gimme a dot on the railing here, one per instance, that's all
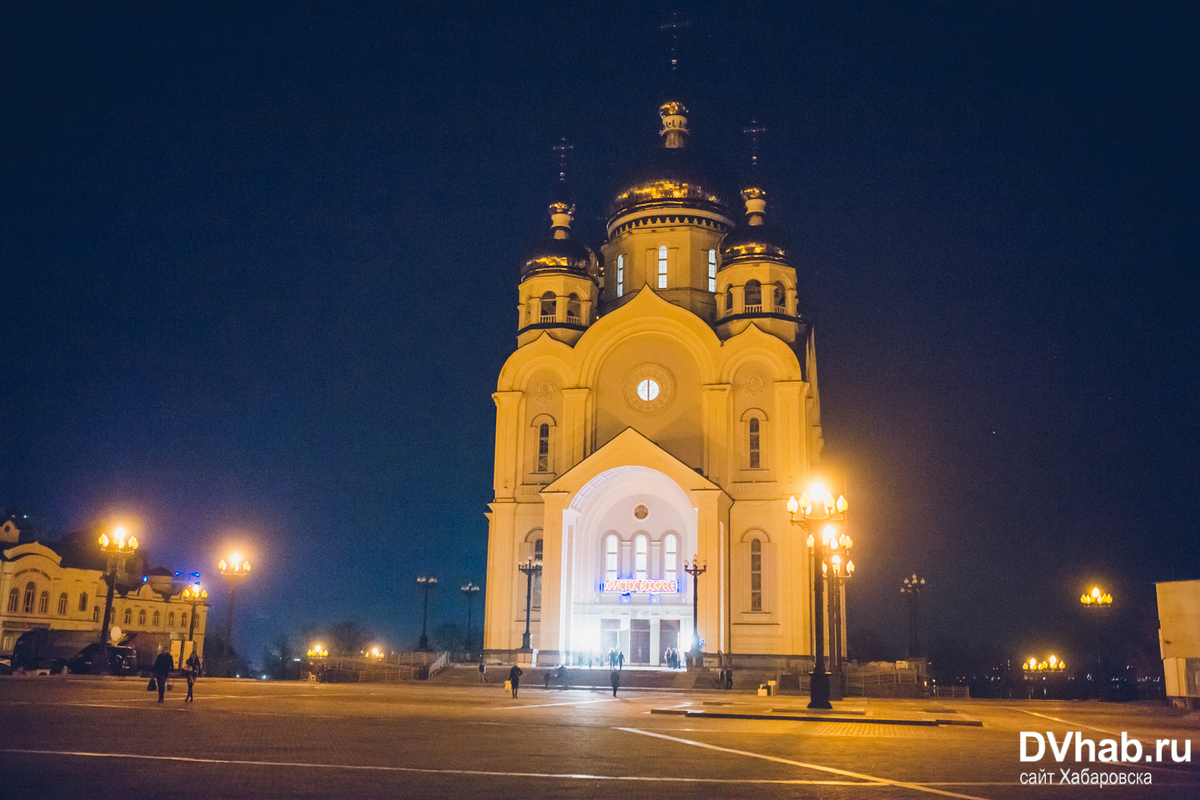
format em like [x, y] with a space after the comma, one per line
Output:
[951, 691]
[443, 661]
[412, 666]
[757, 309]
[547, 319]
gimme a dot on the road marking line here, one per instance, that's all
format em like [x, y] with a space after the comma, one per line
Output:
[861, 776]
[1063, 721]
[476, 772]
[548, 705]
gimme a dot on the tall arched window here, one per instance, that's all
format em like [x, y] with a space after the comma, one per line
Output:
[640, 550]
[157, 619]
[549, 307]
[14, 598]
[44, 603]
[780, 298]
[573, 307]
[755, 459]
[128, 616]
[620, 275]
[62, 604]
[141, 616]
[712, 270]
[611, 558]
[95, 613]
[543, 463]
[171, 619]
[662, 266]
[183, 619]
[30, 593]
[756, 575]
[537, 578]
[670, 556]
[753, 297]
[83, 598]
[729, 301]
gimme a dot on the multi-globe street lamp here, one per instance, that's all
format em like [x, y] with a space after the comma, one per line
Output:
[236, 569]
[425, 582]
[839, 571]
[695, 569]
[1096, 602]
[116, 548]
[196, 596]
[911, 589]
[469, 591]
[825, 536]
[1096, 599]
[529, 567]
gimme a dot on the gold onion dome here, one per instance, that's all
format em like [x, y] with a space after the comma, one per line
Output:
[558, 252]
[754, 238]
[674, 175]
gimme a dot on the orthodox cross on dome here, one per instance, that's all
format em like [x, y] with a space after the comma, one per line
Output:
[674, 24]
[563, 149]
[752, 132]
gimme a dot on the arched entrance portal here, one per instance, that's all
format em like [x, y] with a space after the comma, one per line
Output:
[633, 529]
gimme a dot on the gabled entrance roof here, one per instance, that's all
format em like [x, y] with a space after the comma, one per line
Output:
[630, 449]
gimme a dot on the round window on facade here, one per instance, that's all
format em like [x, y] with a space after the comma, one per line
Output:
[640, 511]
[649, 388]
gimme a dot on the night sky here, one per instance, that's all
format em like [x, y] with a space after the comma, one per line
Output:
[259, 267]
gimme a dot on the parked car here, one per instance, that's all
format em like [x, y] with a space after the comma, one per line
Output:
[121, 660]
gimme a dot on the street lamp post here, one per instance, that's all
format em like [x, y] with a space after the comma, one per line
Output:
[840, 572]
[116, 548]
[196, 596]
[1096, 602]
[911, 589]
[469, 591]
[695, 569]
[426, 582]
[235, 570]
[530, 567]
[835, 512]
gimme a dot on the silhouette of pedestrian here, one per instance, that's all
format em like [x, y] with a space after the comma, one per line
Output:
[621, 660]
[514, 677]
[191, 671]
[162, 668]
[482, 670]
[615, 678]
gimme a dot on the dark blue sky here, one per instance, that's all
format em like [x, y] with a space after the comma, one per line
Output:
[259, 266]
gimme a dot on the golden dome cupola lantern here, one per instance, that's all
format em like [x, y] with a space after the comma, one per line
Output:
[674, 132]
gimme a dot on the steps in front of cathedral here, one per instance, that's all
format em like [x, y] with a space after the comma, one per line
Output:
[582, 677]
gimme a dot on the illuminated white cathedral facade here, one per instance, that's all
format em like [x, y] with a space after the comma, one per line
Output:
[661, 406]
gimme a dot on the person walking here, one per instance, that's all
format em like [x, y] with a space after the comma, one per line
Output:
[514, 678]
[191, 671]
[615, 678]
[162, 668]
[621, 660]
[482, 670]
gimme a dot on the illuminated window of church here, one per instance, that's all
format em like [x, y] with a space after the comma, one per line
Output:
[662, 266]
[712, 270]
[670, 556]
[639, 558]
[549, 307]
[62, 604]
[755, 459]
[753, 297]
[610, 558]
[573, 308]
[543, 464]
[620, 275]
[755, 575]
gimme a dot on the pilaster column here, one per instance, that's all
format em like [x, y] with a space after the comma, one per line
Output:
[498, 612]
[715, 426]
[554, 548]
[574, 434]
[509, 442]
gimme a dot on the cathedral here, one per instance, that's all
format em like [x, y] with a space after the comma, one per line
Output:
[659, 410]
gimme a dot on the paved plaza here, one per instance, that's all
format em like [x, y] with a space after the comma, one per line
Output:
[84, 737]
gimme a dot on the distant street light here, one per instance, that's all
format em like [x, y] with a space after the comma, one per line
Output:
[835, 512]
[196, 596]
[911, 589]
[469, 591]
[1096, 602]
[530, 567]
[116, 548]
[1096, 599]
[695, 569]
[426, 582]
[235, 570]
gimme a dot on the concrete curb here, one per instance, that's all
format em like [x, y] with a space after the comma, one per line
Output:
[924, 723]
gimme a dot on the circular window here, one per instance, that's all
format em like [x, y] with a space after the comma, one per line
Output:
[649, 388]
[640, 511]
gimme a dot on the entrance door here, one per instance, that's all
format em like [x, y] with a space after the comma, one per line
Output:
[668, 635]
[610, 635]
[639, 641]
